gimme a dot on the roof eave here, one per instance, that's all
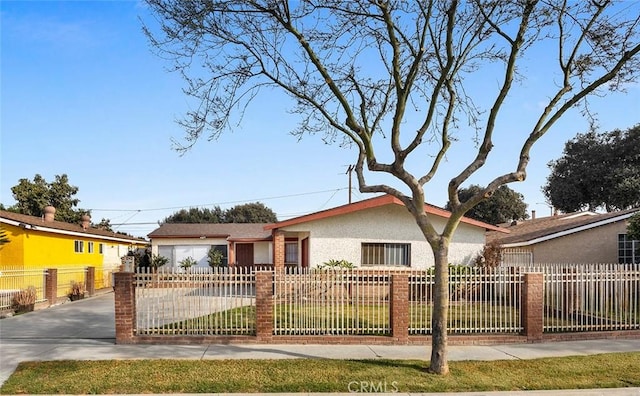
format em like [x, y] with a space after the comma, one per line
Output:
[265, 239]
[569, 231]
[374, 203]
[190, 236]
[339, 210]
[44, 228]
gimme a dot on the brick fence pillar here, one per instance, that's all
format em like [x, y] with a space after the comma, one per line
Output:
[533, 306]
[125, 306]
[90, 281]
[278, 250]
[399, 307]
[51, 285]
[264, 305]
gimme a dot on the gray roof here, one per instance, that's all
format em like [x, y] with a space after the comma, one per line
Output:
[547, 227]
[233, 231]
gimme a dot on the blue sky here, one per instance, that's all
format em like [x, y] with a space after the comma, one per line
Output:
[83, 94]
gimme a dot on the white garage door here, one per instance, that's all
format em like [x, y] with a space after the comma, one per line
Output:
[198, 253]
[167, 251]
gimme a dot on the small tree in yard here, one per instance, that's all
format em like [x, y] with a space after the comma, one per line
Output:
[187, 263]
[398, 81]
[158, 261]
[490, 257]
[215, 257]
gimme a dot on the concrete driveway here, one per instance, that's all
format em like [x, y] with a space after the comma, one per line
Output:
[92, 318]
[79, 326]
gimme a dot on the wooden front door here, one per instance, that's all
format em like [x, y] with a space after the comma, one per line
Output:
[244, 254]
[305, 253]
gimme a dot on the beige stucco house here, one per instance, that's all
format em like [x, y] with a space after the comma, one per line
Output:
[584, 237]
[376, 232]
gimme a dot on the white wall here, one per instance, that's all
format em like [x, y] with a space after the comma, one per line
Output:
[340, 237]
[112, 252]
[263, 253]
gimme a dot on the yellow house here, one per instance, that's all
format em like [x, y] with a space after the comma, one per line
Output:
[42, 242]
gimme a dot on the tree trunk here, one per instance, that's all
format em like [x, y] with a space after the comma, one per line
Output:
[439, 363]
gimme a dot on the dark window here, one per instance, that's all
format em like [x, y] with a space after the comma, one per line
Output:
[291, 252]
[628, 250]
[225, 253]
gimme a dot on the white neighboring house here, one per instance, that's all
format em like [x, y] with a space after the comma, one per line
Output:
[376, 232]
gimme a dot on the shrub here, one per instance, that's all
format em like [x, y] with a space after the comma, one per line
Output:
[25, 299]
[188, 263]
[158, 261]
[490, 257]
[336, 264]
[214, 257]
[454, 269]
[77, 288]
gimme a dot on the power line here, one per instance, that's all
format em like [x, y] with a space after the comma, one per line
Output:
[129, 224]
[128, 218]
[138, 211]
[221, 203]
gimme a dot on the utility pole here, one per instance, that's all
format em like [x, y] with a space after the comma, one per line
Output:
[349, 171]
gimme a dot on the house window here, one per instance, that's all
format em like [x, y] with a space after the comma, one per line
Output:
[225, 254]
[90, 247]
[386, 254]
[167, 252]
[78, 246]
[291, 252]
[101, 248]
[628, 250]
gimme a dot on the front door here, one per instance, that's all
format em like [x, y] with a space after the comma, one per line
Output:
[244, 254]
[305, 253]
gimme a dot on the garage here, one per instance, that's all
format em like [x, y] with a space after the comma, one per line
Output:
[177, 253]
[244, 243]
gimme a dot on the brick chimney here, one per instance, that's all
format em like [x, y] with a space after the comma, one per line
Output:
[49, 213]
[86, 221]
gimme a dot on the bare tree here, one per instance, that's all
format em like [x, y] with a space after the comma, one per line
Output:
[392, 79]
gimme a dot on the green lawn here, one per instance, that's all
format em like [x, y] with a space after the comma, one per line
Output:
[236, 321]
[321, 375]
[356, 319]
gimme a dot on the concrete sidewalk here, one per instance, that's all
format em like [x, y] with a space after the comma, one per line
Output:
[84, 330]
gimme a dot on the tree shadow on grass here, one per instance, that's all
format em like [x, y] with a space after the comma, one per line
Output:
[416, 365]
